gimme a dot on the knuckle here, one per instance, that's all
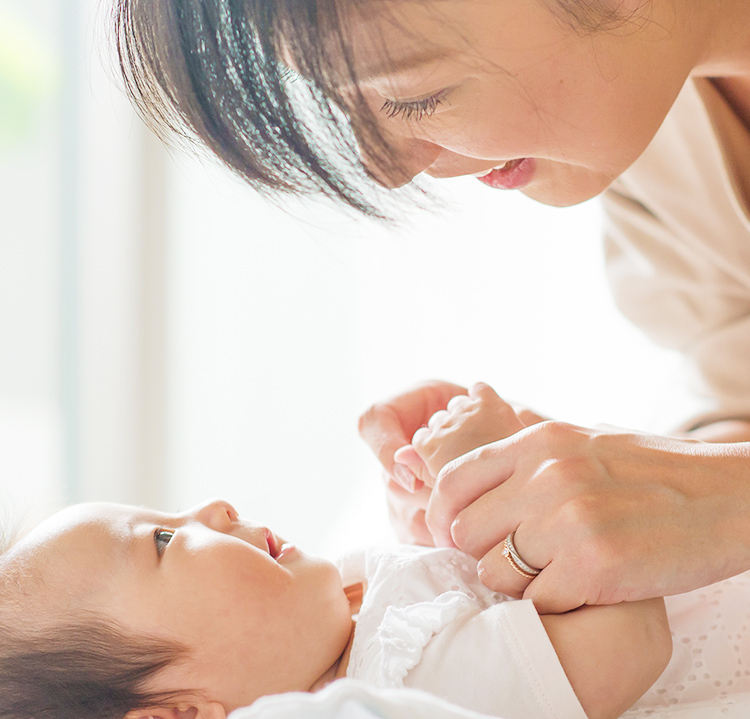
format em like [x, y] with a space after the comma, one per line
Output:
[582, 511]
[447, 480]
[570, 475]
[553, 430]
[460, 532]
[554, 435]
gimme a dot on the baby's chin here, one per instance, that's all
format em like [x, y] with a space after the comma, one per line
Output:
[322, 569]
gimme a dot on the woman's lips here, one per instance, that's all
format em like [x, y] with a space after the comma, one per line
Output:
[512, 176]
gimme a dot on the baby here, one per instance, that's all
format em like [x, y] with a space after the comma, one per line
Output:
[112, 611]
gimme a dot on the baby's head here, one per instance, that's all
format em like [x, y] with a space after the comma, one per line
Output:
[108, 610]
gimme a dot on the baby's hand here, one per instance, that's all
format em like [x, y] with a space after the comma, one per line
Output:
[468, 422]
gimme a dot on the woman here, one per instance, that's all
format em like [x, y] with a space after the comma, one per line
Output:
[646, 100]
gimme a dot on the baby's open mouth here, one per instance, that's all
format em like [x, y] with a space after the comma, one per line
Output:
[278, 548]
[274, 545]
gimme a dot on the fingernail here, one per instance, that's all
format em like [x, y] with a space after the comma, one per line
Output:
[405, 477]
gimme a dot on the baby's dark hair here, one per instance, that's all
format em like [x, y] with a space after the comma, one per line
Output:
[79, 669]
[216, 72]
[82, 666]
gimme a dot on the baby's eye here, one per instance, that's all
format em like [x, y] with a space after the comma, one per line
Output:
[162, 538]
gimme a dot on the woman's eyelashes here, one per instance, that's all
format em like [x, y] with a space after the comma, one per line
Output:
[162, 537]
[414, 110]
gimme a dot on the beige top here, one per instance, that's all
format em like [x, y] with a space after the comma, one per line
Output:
[678, 245]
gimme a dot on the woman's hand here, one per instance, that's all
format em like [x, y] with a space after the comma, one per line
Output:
[608, 516]
[388, 426]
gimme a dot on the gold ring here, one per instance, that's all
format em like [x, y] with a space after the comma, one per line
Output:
[515, 561]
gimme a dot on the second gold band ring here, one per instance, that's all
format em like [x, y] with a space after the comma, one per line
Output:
[515, 561]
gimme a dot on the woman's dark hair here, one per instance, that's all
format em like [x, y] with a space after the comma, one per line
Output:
[86, 669]
[214, 71]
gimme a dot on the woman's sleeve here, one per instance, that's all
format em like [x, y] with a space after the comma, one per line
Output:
[686, 294]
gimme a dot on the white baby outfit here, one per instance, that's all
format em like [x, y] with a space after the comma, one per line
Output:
[427, 622]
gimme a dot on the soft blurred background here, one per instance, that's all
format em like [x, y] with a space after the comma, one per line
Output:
[166, 336]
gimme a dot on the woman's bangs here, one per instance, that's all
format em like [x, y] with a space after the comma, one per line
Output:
[219, 74]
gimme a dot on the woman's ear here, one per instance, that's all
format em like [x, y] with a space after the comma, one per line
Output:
[195, 709]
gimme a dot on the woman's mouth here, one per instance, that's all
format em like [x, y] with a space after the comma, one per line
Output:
[511, 175]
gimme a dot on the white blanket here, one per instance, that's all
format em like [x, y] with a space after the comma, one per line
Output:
[351, 699]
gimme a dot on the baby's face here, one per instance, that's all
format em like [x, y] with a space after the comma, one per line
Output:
[257, 619]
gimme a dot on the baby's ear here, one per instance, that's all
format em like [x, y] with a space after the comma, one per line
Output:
[198, 709]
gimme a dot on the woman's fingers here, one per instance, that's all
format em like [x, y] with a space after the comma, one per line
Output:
[407, 510]
[555, 591]
[488, 520]
[498, 571]
[608, 516]
[463, 481]
[409, 457]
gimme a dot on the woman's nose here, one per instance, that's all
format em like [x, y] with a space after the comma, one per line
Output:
[410, 156]
[216, 514]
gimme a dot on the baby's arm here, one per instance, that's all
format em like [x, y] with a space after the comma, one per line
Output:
[611, 654]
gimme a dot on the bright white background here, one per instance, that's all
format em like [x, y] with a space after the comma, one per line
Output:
[282, 331]
[168, 336]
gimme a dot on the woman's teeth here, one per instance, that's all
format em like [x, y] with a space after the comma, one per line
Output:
[484, 173]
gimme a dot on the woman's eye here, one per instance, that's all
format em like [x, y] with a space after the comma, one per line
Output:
[162, 538]
[414, 110]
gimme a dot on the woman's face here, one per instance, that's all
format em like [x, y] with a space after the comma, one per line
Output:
[256, 617]
[462, 86]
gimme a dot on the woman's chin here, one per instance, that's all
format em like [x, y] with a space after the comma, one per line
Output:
[560, 185]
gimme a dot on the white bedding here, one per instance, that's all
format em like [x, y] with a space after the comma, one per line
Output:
[350, 699]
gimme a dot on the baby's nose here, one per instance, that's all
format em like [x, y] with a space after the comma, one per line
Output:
[216, 514]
